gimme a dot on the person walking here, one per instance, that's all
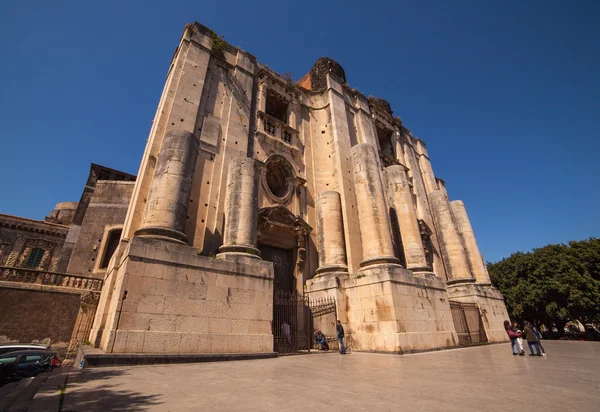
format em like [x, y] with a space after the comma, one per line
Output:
[519, 333]
[532, 340]
[340, 337]
[538, 334]
[512, 334]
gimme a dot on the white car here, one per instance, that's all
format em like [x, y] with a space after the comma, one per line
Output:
[13, 347]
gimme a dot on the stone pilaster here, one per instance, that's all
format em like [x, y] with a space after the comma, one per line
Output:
[453, 252]
[241, 208]
[465, 229]
[373, 219]
[330, 230]
[169, 196]
[400, 198]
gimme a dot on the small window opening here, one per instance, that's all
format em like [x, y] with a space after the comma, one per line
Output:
[35, 257]
[385, 141]
[111, 245]
[276, 106]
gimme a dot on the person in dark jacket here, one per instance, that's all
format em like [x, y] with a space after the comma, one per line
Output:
[340, 337]
[512, 334]
[539, 339]
[532, 339]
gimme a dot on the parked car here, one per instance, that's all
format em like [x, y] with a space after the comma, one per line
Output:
[592, 333]
[27, 363]
[13, 347]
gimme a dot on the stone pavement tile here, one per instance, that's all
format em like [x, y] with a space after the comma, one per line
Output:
[479, 378]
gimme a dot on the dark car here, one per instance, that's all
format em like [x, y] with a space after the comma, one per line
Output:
[27, 363]
[14, 347]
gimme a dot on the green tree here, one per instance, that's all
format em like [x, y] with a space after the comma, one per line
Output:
[553, 284]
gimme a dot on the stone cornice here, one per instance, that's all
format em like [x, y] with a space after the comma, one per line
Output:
[33, 226]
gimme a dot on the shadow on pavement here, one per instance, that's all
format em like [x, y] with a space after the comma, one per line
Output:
[100, 395]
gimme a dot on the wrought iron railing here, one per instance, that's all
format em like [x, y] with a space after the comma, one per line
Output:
[40, 277]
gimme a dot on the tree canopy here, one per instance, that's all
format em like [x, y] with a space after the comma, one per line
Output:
[553, 284]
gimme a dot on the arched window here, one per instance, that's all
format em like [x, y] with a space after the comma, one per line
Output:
[112, 241]
[35, 257]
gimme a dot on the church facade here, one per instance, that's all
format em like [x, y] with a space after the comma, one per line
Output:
[252, 185]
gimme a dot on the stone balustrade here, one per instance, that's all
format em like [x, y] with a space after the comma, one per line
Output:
[40, 277]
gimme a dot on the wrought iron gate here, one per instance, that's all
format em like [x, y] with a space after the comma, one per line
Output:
[468, 323]
[291, 322]
[296, 318]
[324, 318]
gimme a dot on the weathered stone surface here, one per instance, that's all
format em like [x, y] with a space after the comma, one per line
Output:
[453, 251]
[179, 302]
[239, 158]
[169, 195]
[463, 225]
[330, 226]
[400, 199]
[241, 207]
[373, 216]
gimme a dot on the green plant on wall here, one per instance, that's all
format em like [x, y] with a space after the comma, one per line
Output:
[217, 43]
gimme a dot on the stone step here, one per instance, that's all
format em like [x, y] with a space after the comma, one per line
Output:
[23, 400]
[47, 398]
[14, 393]
[4, 390]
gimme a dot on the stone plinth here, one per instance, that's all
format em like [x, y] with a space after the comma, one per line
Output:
[389, 310]
[373, 216]
[169, 196]
[241, 208]
[180, 302]
[400, 198]
[330, 230]
[491, 306]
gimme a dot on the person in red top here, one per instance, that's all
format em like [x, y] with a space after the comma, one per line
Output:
[512, 334]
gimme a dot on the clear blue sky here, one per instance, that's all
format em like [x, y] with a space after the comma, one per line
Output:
[506, 94]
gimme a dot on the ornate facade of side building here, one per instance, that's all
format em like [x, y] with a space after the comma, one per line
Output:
[252, 185]
[51, 270]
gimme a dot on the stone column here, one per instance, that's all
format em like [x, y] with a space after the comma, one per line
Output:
[241, 208]
[453, 252]
[466, 232]
[330, 232]
[373, 219]
[169, 195]
[400, 198]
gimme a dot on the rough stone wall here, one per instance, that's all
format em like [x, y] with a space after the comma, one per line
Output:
[31, 316]
[106, 210]
[219, 94]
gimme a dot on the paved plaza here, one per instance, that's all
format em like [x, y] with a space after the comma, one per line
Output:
[486, 378]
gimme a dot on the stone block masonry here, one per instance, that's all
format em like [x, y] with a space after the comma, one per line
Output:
[246, 165]
[179, 302]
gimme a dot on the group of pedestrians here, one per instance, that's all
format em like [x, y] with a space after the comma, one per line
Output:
[531, 335]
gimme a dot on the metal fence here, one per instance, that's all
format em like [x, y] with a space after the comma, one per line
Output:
[468, 323]
[324, 318]
[296, 318]
[291, 322]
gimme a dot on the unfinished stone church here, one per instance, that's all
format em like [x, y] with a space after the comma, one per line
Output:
[252, 186]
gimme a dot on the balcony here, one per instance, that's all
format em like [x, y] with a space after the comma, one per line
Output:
[276, 128]
[42, 278]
